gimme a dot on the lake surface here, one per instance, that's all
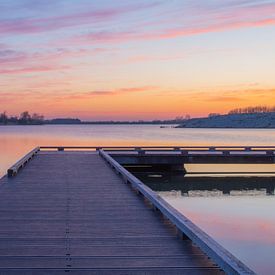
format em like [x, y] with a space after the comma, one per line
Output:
[17, 140]
[243, 224]
[243, 221]
[237, 211]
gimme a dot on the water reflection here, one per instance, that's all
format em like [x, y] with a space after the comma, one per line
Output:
[237, 211]
[206, 186]
[18, 140]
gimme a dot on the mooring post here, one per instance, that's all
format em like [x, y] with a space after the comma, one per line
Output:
[178, 168]
[11, 173]
[226, 153]
[140, 151]
[184, 152]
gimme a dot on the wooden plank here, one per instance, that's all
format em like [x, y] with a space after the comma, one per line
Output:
[221, 256]
[112, 271]
[68, 211]
[98, 262]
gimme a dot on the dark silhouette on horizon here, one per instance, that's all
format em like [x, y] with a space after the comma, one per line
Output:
[249, 117]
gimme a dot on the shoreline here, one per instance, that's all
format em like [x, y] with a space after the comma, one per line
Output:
[152, 124]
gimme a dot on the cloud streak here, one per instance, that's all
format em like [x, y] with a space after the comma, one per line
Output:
[201, 20]
[33, 69]
[46, 24]
[20, 62]
[114, 92]
[122, 91]
[128, 36]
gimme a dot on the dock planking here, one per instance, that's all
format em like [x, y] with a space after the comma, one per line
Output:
[70, 212]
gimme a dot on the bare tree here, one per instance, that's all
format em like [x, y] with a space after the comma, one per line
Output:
[3, 118]
[25, 118]
[252, 110]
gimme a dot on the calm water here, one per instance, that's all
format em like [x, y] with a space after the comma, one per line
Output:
[237, 211]
[245, 225]
[17, 140]
[243, 222]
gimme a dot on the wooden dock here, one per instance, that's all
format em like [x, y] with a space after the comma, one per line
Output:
[68, 211]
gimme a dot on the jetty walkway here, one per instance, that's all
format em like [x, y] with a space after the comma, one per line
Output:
[81, 212]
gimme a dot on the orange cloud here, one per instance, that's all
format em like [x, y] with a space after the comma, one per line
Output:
[86, 95]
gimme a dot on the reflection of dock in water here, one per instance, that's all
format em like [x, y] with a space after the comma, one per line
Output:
[220, 185]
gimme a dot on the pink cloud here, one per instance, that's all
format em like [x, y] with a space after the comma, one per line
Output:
[10, 57]
[200, 21]
[17, 62]
[121, 91]
[136, 89]
[36, 25]
[3, 46]
[32, 69]
[14, 97]
[86, 95]
[151, 58]
[127, 36]
[213, 28]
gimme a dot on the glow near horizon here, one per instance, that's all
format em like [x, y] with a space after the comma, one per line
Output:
[135, 59]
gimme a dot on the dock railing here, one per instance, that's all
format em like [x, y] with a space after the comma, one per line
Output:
[176, 147]
[13, 170]
[184, 150]
[226, 261]
[143, 150]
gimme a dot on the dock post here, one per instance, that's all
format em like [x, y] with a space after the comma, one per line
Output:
[140, 151]
[270, 190]
[178, 168]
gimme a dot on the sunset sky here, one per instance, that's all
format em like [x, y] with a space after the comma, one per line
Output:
[135, 59]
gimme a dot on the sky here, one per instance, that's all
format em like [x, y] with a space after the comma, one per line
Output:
[135, 59]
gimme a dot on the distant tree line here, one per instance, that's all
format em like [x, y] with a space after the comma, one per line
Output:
[213, 115]
[247, 110]
[24, 118]
[252, 110]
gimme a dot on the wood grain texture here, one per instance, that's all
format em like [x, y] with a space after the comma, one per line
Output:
[68, 211]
